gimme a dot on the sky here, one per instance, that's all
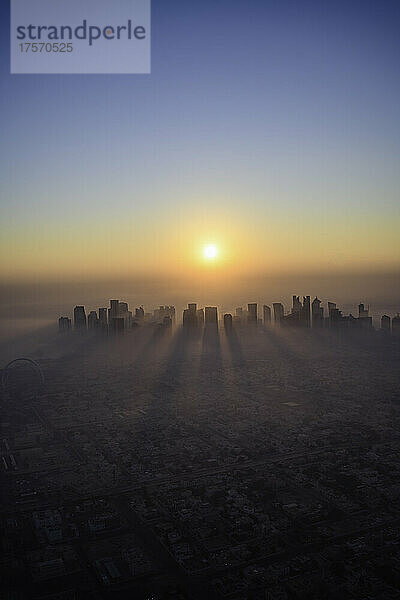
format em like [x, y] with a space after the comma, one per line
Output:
[268, 128]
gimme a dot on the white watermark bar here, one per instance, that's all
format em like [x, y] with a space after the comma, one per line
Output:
[80, 36]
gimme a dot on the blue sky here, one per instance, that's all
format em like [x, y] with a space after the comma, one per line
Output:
[252, 108]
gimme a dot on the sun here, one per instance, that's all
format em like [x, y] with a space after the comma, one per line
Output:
[210, 252]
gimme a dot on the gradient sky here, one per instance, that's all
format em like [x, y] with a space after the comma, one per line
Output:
[271, 128]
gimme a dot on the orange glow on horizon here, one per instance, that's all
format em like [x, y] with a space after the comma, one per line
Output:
[194, 247]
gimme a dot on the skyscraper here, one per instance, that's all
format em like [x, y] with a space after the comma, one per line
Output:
[200, 317]
[305, 312]
[317, 313]
[190, 316]
[228, 322]
[385, 323]
[167, 323]
[119, 310]
[103, 318]
[164, 311]
[117, 324]
[252, 313]
[211, 315]
[266, 315]
[113, 311]
[123, 308]
[296, 305]
[172, 313]
[79, 317]
[278, 312]
[335, 315]
[364, 320]
[396, 324]
[300, 315]
[331, 308]
[114, 307]
[93, 320]
[139, 314]
[64, 324]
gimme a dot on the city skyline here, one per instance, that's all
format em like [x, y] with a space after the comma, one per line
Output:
[303, 313]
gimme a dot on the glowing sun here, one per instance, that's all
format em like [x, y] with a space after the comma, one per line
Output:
[210, 252]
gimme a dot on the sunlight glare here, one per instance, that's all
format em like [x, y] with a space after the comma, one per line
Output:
[210, 252]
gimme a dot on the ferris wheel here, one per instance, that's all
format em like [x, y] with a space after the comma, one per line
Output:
[22, 375]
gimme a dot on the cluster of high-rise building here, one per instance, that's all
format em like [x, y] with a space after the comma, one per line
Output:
[116, 318]
[300, 315]
[197, 317]
[304, 313]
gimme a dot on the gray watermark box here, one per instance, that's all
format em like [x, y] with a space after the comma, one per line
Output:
[80, 36]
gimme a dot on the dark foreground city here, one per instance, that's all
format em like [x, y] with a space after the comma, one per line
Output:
[237, 462]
